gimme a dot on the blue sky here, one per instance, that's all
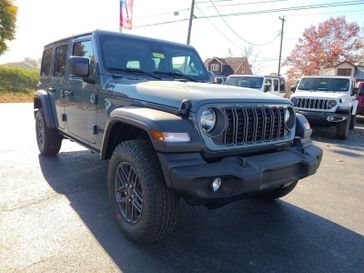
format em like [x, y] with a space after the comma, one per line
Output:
[42, 21]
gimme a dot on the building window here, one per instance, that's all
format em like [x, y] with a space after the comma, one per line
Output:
[214, 67]
[344, 72]
[243, 70]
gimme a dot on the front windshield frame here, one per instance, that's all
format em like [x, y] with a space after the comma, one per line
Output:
[148, 55]
[323, 84]
[257, 84]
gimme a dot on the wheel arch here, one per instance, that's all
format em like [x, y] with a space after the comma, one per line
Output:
[137, 122]
[42, 100]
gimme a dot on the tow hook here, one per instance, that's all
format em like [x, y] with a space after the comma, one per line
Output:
[335, 119]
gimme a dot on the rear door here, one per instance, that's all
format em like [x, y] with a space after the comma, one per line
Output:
[81, 96]
[58, 81]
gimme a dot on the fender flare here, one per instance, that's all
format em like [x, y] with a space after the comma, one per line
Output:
[149, 119]
[47, 108]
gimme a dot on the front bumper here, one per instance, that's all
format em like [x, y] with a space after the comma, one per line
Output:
[323, 118]
[190, 175]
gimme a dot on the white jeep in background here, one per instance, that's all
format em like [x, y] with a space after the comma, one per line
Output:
[270, 84]
[327, 101]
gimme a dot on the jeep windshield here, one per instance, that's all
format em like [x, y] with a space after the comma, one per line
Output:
[152, 59]
[251, 82]
[324, 84]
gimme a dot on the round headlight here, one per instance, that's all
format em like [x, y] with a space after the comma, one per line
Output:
[289, 118]
[331, 103]
[208, 119]
[294, 101]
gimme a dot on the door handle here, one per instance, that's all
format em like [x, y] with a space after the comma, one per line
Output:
[52, 89]
[67, 93]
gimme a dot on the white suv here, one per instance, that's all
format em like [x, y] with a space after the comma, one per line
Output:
[269, 84]
[327, 101]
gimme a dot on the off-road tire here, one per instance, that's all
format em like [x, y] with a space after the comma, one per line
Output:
[159, 209]
[277, 193]
[352, 122]
[49, 141]
[342, 129]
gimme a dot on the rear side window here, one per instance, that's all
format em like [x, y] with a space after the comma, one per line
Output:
[61, 61]
[46, 62]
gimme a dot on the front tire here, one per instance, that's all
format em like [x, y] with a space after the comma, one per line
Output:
[49, 140]
[278, 193]
[352, 122]
[342, 129]
[145, 208]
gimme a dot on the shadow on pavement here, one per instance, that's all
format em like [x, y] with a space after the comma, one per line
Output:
[247, 236]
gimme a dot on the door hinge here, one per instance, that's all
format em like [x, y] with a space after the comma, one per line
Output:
[95, 129]
[64, 117]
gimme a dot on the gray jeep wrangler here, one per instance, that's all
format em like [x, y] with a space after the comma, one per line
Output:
[147, 107]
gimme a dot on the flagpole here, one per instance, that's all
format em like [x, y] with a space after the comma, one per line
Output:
[120, 11]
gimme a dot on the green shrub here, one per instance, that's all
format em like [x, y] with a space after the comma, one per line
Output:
[17, 79]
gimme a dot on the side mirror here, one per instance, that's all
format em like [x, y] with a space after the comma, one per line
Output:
[79, 66]
[219, 81]
[293, 88]
[267, 88]
[355, 90]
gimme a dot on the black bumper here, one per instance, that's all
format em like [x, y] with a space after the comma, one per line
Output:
[190, 176]
[324, 118]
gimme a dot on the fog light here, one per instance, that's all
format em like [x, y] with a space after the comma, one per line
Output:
[330, 118]
[216, 184]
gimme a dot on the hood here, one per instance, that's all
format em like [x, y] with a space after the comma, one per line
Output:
[320, 95]
[171, 93]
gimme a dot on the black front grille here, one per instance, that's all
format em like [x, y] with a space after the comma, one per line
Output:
[254, 124]
[313, 103]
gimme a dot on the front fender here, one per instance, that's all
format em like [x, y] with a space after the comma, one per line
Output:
[149, 119]
[47, 108]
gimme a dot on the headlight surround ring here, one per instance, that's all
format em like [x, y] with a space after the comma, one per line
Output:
[289, 118]
[208, 120]
[295, 101]
[331, 103]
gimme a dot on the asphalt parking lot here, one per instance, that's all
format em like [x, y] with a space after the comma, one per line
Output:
[55, 216]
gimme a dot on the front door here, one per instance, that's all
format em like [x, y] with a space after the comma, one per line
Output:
[81, 97]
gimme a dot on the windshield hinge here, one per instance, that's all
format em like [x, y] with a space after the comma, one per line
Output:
[184, 108]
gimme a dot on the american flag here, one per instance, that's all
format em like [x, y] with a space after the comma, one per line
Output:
[126, 13]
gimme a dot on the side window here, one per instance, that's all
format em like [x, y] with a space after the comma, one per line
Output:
[275, 85]
[46, 62]
[61, 61]
[85, 49]
[282, 88]
[268, 85]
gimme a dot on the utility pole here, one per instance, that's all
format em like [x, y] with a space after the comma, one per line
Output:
[280, 49]
[190, 22]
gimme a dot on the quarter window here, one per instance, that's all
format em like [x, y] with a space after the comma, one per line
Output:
[61, 61]
[46, 62]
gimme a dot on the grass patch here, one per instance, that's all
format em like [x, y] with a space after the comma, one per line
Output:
[17, 84]
[11, 97]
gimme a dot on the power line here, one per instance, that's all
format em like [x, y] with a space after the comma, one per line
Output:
[218, 30]
[294, 8]
[246, 3]
[162, 13]
[233, 31]
[243, 4]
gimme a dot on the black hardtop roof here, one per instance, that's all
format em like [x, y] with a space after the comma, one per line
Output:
[113, 33]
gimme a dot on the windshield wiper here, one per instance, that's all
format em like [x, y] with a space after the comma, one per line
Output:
[176, 74]
[135, 71]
